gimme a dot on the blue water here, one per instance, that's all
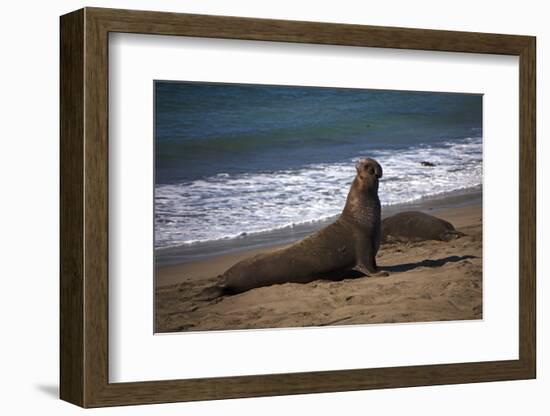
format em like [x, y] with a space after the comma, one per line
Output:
[233, 159]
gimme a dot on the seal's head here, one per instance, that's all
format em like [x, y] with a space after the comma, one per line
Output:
[368, 173]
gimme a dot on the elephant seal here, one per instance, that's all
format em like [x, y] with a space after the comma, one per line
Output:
[417, 226]
[351, 242]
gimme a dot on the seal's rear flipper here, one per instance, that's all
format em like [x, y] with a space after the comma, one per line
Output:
[216, 291]
[210, 293]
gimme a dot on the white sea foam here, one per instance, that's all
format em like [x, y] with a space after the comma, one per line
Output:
[228, 206]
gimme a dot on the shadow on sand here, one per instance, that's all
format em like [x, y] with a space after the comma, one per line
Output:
[353, 274]
[425, 263]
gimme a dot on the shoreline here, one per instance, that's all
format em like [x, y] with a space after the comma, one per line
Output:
[184, 254]
[462, 215]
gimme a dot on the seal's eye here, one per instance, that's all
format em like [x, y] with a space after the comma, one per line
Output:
[371, 170]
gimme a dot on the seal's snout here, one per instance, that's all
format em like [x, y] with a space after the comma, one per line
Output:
[369, 166]
[378, 171]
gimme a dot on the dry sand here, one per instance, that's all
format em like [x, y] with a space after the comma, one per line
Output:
[429, 281]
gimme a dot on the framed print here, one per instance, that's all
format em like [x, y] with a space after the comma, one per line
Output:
[255, 207]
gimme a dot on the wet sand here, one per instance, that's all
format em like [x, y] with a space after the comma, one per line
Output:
[429, 281]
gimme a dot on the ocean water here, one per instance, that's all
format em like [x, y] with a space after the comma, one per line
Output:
[234, 160]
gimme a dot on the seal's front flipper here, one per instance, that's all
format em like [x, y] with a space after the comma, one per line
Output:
[370, 273]
[366, 259]
[452, 235]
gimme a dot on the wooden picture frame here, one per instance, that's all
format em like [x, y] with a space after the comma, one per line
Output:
[84, 207]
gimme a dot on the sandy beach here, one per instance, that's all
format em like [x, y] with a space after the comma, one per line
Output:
[428, 281]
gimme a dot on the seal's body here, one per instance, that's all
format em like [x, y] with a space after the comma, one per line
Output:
[351, 242]
[417, 226]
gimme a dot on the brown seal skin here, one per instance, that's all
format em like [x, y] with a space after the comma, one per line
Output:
[417, 226]
[351, 242]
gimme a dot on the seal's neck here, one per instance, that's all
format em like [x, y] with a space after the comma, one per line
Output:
[362, 204]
